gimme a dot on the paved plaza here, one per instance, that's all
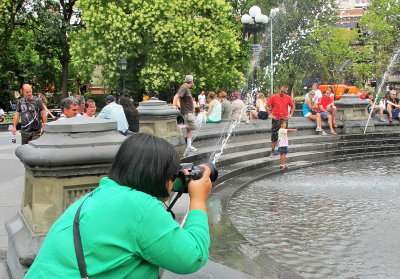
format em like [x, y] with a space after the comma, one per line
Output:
[11, 188]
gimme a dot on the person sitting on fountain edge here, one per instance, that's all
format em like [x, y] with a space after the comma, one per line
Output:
[393, 105]
[277, 108]
[328, 109]
[124, 229]
[375, 108]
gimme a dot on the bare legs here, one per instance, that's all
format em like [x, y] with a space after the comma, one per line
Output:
[317, 118]
[253, 114]
[282, 158]
[333, 112]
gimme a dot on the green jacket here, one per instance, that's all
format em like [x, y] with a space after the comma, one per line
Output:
[125, 234]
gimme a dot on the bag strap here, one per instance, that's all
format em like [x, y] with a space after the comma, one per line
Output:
[179, 194]
[78, 243]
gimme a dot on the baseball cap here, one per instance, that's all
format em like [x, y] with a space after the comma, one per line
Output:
[110, 99]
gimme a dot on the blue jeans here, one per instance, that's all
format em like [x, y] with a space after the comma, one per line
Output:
[124, 133]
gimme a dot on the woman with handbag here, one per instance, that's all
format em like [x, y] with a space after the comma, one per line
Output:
[310, 111]
[121, 229]
[259, 112]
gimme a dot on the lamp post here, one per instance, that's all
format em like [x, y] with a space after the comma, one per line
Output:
[254, 22]
[123, 64]
[272, 14]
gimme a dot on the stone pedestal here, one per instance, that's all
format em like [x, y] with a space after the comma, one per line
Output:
[63, 165]
[159, 119]
[353, 112]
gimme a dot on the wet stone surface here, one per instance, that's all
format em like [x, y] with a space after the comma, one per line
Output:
[332, 221]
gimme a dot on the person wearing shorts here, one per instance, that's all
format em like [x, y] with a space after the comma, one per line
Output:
[186, 108]
[327, 109]
[277, 108]
[283, 142]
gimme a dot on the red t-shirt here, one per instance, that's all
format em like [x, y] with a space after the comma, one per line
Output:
[324, 102]
[280, 105]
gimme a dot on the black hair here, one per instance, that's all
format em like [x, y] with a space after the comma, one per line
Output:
[145, 162]
[281, 121]
[127, 105]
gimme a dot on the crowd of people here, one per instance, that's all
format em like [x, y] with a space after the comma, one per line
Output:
[33, 112]
[211, 108]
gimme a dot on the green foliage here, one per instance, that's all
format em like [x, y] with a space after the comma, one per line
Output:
[299, 99]
[34, 46]
[332, 47]
[292, 30]
[382, 22]
[99, 99]
[162, 40]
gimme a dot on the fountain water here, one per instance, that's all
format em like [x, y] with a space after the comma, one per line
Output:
[391, 61]
[251, 99]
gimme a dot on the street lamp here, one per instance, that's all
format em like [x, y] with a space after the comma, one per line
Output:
[254, 22]
[123, 64]
[272, 14]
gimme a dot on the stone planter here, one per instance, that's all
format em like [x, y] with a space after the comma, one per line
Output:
[353, 112]
[159, 119]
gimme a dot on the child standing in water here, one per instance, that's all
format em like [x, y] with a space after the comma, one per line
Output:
[283, 142]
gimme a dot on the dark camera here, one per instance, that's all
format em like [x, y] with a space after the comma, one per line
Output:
[14, 140]
[195, 172]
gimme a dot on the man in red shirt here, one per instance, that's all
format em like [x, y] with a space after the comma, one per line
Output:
[279, 104]
[328, 110]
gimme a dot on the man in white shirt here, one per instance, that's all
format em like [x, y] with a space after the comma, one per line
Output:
[202, 100]
[2, 117]
[318, 93]
[115, 112]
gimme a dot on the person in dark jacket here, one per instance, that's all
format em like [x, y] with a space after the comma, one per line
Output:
[131, 114]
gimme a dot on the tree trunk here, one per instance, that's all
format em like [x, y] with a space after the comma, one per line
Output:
[64, 79]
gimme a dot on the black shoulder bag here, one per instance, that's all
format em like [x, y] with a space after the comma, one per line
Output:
[78, 243]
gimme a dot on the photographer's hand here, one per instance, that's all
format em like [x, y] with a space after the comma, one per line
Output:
[199, 190]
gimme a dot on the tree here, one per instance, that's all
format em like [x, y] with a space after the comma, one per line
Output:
[383, 25]
[292, 30]
[333, 50]
[162, 41]
[55, 22]
[8, 13]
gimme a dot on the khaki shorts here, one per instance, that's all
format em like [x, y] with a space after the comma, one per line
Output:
[190, 120]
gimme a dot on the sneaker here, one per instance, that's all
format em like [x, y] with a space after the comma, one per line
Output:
[283, 167]
[271, 155]
[191, 148]
[318, 129]
[323, 133]
[382, 120]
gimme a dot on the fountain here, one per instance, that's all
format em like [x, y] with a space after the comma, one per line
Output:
[392, 59]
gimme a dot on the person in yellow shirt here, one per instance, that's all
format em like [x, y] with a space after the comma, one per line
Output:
[145, 97]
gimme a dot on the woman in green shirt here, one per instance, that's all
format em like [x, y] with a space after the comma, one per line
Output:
[124, 228]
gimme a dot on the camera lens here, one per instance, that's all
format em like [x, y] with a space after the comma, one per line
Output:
[214, 171]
